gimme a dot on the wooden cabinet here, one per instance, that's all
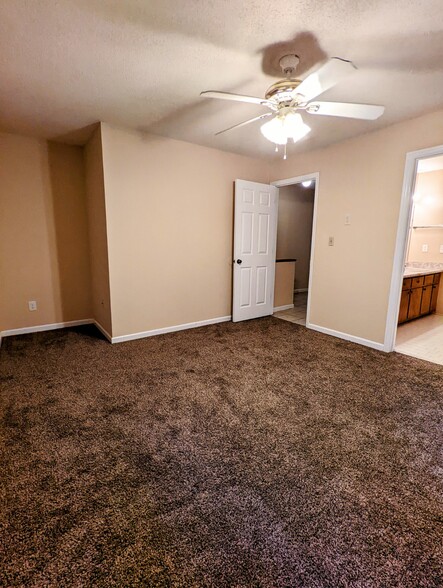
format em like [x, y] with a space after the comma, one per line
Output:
[404, 306]
[414, 303]
[418, 297]
[434, 294]
[425, 307]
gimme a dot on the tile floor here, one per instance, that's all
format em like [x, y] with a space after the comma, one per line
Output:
[298, 313]
[422, 338]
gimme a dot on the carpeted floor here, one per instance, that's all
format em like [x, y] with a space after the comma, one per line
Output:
[256, 454]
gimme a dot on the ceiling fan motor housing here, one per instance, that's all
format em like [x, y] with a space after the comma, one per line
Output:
[282, 91]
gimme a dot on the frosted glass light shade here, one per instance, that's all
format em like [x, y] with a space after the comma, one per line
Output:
[281, 128]
[273, 130]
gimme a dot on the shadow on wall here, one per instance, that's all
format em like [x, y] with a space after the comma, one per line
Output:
[70, 248]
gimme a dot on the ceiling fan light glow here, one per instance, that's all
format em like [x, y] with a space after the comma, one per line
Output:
[281, 128]
[294, 126]
[273, 130]
[306, 183]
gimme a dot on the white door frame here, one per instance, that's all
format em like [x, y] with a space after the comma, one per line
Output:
[401, 244]
[315, 176]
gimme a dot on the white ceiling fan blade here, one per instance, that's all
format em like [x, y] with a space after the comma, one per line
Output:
[346, 109]
[236, 97]
[331, 73]
[246, 122]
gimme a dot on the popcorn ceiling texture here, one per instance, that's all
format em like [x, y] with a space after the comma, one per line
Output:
[65, 65]
[249, 454]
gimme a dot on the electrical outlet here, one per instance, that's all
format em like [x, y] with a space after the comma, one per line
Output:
[347, 219]
[331, 242]
[424, 248]
[441, 248]
[32, 305]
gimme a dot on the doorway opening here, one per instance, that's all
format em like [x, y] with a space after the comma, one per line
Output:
[296, 203]
[419, 317]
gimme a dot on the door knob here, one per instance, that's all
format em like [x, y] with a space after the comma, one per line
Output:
[239, 261]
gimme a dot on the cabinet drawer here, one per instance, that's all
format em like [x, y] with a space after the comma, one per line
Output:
[407, 283]
[418, 281]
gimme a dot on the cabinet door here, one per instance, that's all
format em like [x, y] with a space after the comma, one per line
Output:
[426, 300]
[434, 297]
[404, 304]
[415, 303]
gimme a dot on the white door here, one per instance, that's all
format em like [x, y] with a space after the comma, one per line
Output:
[255, 236]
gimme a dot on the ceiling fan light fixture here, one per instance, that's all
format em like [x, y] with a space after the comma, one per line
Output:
[294, 126]
[281, 128]
[273, 131]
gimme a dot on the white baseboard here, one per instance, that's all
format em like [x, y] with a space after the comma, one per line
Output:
[172, 329]
[49, 327]
[347, 337]
[132, 336]
[285, 307]
[299, 290]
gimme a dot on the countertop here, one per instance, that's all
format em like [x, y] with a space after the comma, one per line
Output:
[410, 272]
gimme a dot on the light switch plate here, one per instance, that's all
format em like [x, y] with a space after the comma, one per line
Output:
[32, 305]
[441, 248]
[331, 241]
[347, 219]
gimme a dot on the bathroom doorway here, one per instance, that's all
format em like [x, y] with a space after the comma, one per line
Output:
[294, 243]
[419, 331]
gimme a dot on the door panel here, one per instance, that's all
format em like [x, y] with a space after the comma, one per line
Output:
[247, 232]
[262, 274]
[246, 287]
[263, 234]
[255, 235]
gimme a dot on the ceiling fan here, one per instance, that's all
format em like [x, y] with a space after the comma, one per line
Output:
[288, 96]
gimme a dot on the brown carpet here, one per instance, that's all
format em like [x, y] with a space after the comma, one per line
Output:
[249, 454]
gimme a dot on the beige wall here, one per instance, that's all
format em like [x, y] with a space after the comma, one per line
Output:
[428, 210]
[284, 283]
[98, 237]
[363, 177]
[170, 212]
[43, 233]
[294, 230]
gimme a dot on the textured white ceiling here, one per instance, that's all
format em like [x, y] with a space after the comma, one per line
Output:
[65, 64]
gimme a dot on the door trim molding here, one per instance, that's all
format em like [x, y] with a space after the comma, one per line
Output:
[401, 243]
[297, 180]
